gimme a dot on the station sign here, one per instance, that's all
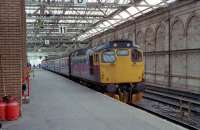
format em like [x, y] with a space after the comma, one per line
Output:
[46, 42]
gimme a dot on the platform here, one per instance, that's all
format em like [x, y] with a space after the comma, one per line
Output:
[60, 104]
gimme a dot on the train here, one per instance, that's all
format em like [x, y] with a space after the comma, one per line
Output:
[114, 67]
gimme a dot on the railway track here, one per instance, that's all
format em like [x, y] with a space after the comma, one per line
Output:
[175, 107]
[174, 120]
[180, 108]
[180, 102]
[184, 94]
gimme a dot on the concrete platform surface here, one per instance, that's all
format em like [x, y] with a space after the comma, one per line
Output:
[60, 104]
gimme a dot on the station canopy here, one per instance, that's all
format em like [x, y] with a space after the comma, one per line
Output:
[69, 20]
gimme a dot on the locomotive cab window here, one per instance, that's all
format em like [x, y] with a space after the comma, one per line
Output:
[108, 57]
[122, 52]
[136, 55]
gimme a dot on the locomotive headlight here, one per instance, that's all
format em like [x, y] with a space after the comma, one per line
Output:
[128, 44]
[115, 45]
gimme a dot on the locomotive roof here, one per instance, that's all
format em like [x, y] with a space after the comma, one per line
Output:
[115, 44]
[105, 46]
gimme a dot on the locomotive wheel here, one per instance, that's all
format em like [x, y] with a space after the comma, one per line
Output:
[140, 96]
[113, 95]
[116, 96]
[126, 97]
[136, 98]
[123, 95]
[99, 88]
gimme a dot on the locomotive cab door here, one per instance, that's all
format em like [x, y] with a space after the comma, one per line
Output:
[91, 64]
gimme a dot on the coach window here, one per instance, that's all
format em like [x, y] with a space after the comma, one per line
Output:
[108, 56]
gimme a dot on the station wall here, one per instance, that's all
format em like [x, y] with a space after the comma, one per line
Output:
[170, 39]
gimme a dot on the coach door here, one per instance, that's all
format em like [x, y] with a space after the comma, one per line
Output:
[91, 64]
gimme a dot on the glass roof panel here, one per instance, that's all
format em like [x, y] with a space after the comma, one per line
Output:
[91, 31]
[145, 7]
[99, 15]
[31, 8]
[110, 1]
[123, 1]
[132, 10]
[141, 8]
[108, 11]
[91, 0]
[30, 20]
[147, 10]
[153, 2]
[117, 16]
[124, 14]
[103, 1]
[106, 23]
[170, 1]
[101, 26]
[98, 29]
[113, 21]
[57, 11]
[30, 11]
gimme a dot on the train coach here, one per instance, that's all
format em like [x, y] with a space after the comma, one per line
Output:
[115, 67]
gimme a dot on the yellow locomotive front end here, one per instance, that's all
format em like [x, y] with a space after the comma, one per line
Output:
[122, 65]
[122, 70]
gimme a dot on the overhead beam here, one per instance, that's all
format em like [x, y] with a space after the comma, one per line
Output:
[74, 18]
[64, 15]
[67, 27]
[67, 9]
[101, 21]
[58, 4]
[64, 22]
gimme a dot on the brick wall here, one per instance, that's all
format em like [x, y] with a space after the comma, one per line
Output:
[12, 46]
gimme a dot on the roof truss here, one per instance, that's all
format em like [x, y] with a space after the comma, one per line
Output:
[63, 21]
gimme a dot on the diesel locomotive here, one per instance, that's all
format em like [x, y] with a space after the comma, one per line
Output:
[115, 67]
